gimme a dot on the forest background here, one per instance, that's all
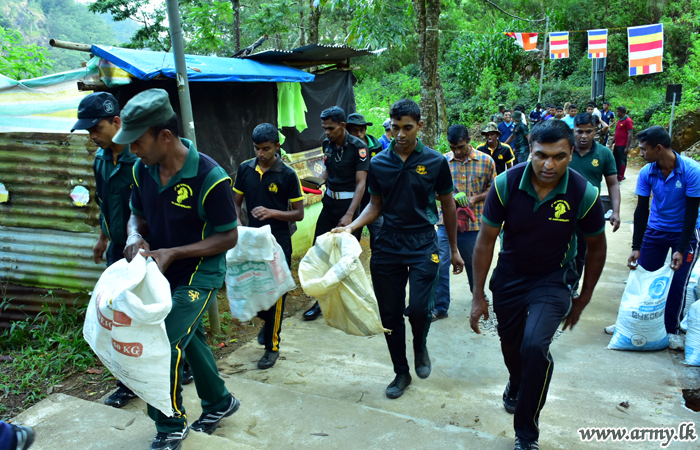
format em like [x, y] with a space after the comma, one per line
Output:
[451, 54]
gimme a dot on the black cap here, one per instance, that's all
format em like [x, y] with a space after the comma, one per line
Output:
[357, 119]
[94, 108]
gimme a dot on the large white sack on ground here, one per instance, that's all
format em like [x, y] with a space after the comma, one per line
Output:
[691, 294]
[124, 325]
[257, 274]
[640, 319]
[692, 337]
[332, 272]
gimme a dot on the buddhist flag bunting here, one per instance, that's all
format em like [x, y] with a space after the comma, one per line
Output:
[559, 45]
[597, 44]
[646, 49]
[528, 41]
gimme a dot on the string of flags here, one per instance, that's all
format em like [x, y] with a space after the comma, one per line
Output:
[645, 45]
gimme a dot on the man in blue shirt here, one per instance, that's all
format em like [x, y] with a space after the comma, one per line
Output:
[386, 138]
[569, 119]
[674, 182]
[406, 250]
[506, 127]
[537, 114]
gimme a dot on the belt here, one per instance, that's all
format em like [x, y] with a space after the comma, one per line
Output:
[339, 195]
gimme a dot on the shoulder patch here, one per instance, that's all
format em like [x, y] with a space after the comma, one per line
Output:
[363, 153]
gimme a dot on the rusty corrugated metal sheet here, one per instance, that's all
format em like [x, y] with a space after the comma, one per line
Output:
[45, 239]
[26, 302]
[39, 170]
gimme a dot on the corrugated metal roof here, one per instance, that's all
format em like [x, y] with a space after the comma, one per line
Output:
[312, 55]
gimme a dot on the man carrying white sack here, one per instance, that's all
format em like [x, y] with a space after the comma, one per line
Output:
[272, 192]
[674, 183]
[403, 181]
[184, 217]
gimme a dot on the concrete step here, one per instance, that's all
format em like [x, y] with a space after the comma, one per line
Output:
[65, 422]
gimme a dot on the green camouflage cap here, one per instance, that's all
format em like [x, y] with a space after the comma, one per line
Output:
[491, 127]
[145, 110]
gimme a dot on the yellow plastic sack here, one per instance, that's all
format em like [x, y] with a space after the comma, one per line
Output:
[332, 272]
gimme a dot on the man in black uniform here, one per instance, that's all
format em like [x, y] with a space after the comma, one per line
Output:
[347, 162]
[403, 182]
[539, 205]
[272, 193]
[184, 217]
[357, 126]
[502, 154]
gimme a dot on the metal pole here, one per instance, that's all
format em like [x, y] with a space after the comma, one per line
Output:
[673, 110]
[593, 79]
[544, 56]
[183, 91]
[183, 87]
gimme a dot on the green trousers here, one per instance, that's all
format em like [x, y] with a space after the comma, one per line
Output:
[187, 341]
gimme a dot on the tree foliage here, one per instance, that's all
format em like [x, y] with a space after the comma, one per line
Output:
[19, 60]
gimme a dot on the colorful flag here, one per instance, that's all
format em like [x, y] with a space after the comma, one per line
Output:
[559, 45]
[528, 41]
[646, 49]
[597, 44]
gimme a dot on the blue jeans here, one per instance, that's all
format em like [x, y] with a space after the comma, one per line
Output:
[465, 244]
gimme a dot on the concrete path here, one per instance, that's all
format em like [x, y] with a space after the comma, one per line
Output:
[327, 390]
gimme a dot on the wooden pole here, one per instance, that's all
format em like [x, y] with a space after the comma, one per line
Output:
[544, 56]
[70, 45]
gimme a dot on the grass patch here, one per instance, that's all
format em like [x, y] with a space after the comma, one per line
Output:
[43, 351]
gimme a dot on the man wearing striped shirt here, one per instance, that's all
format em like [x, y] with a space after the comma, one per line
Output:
[472, 174]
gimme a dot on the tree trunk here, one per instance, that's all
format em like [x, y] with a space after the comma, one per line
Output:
[427, 23]
[314, 18]
[302, 29]
[236, 5]
[441, 106]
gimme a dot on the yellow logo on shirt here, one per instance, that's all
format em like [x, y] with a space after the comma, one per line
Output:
[421, 170]
[500, 156]
[183, 193]
[594, 163]
[273, 188]
[194, 295]
[560, 208]
[435, 258]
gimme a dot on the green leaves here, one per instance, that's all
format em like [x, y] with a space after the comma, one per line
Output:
[18, 60]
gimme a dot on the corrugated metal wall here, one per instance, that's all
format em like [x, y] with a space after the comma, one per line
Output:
[45, 239]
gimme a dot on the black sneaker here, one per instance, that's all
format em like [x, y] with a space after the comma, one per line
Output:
[510, 399]
[400, 383]
[25, 437]
[422, 361]
[268, 360]
[187, 376]
[524, 444]
[120, 398]
[169, 441]
[207, 423]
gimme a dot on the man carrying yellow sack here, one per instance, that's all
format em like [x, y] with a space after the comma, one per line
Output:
[407, 247]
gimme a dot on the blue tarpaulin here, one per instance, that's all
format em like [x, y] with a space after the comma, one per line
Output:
[145, 65]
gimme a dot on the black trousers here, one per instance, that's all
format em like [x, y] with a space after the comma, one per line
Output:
[529, 310]
[273, 316]
[332, 212]
[397, 259]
